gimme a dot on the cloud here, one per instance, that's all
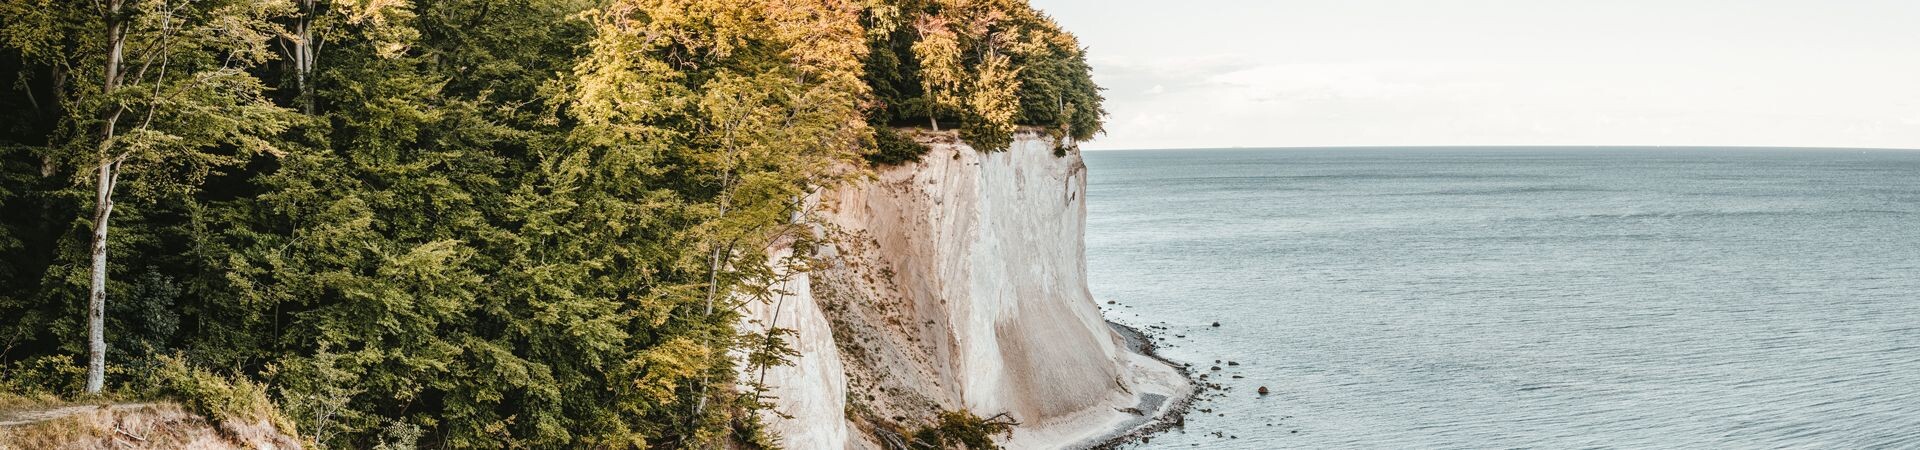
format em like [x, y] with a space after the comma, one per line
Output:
[1223, 101]
[1396, 72]
[1177, 68]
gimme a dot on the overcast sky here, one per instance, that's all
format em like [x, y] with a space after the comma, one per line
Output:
[1284, 73]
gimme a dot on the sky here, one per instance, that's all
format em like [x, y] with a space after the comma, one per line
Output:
[1298, 73]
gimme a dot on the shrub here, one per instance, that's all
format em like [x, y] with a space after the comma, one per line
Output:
[46, 376]
[228, 401]
[960, 429]
[892, 147]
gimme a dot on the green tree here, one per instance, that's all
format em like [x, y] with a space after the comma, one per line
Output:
[154, 91]
[709, 137]
[465, 223]
[991, 66]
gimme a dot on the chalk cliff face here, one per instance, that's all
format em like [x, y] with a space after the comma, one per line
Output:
[956, 283]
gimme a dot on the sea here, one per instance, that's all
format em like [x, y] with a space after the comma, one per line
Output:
[1522, 297]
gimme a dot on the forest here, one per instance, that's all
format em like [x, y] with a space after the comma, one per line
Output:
[462, 223]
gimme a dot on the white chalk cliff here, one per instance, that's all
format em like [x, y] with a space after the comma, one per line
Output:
[956, 283]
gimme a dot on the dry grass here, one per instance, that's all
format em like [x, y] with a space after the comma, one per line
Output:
[14, 402]
[159, 426]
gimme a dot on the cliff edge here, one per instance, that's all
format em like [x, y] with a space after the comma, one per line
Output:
[136, 426]
[956, 283]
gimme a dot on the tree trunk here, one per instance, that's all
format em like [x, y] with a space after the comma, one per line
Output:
[97, 300]
[713, 290]
[103, 204]
[304, 52]
[933, 110]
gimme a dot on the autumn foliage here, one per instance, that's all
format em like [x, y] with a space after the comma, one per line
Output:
[463, 223]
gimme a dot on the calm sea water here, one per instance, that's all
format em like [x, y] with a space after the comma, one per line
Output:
[1524, 297]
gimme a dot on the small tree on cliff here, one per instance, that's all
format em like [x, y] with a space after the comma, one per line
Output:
[938, 52]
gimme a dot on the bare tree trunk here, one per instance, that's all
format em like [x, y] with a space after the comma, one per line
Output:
[933, 113]
[713, 290]
[303, 53]
[103, 205]
[97, 300]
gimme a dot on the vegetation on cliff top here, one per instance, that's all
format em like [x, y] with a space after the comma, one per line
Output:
[471, 223]
[985, 65]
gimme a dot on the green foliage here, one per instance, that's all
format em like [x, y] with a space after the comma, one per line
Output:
[51, 375]
[317, 392]
[985, 65]
[960, 429]
[892, 147]
[468, 223]
[1057, 93]
[399, 435]
[233, 400]
[146, 315]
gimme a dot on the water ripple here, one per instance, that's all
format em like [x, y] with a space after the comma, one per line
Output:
[1472, 298]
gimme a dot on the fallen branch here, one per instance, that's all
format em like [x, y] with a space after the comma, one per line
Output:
[117, 429]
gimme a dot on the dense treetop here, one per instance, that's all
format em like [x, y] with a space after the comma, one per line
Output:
[989, 65]
[474, 223]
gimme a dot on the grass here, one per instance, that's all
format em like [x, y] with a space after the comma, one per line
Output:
[196, 409]
[11, 402]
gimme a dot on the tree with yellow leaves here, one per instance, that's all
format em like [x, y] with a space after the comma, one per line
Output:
[463, 223]
[990, 65]
[746, 106]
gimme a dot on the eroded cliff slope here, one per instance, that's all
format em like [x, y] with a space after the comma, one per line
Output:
[956, 283]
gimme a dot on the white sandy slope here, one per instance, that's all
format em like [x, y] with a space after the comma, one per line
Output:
[958, 282]
[810, 396]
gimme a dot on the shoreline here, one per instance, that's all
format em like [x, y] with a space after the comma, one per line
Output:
[1170, 414]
